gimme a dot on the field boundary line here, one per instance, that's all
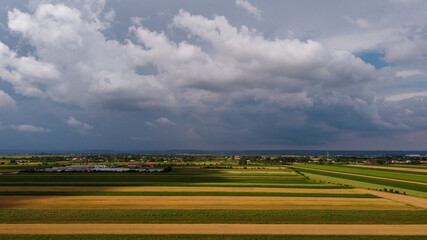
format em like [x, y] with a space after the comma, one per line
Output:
[414, 201]
[209, 229]
[361, 175]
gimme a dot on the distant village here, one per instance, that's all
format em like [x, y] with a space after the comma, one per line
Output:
[133, 167]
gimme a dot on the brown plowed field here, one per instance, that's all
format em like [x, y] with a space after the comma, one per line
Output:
[196, 202]
[259, 229]
[170, 189]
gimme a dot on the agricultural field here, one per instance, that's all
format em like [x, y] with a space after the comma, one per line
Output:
[230, 202]
[384, 178]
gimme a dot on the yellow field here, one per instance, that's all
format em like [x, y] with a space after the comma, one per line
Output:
[170, 189]
[197, 202]
[271, 229]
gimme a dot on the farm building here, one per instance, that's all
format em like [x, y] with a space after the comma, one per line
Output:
[140, 165]
[96, 168]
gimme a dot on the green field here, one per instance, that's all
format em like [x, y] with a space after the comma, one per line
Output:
[273, 177]
[215, 216]
[390, 169]
[394, 174]
[178, 177]
[366, 182]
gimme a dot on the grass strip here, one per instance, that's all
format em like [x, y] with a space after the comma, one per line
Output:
[204, 237]
[214, 216]
[383, 182]
[373, 172]
[266, 194]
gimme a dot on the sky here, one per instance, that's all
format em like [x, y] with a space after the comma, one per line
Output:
[213, 75]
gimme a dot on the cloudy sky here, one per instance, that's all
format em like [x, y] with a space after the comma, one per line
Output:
[190, 74]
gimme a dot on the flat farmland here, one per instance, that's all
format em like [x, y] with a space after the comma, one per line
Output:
[366, 178]
[196, 203]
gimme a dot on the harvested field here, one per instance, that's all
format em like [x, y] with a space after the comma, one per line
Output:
[196, 202]
[258, 229]
[169, 189]
[415, 170]
[206, 237]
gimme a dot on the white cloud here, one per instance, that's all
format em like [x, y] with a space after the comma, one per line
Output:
[403, 96]
[227, 68]
[164, 121]
[81, 127]
[96, 72]
[29, 128]
[409, 73]
[6, 101]
[360, 22]
[400, 44]
[150, 124]
[24, 73]
[249, 8]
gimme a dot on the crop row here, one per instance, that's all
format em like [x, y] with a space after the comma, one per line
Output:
[213, 216]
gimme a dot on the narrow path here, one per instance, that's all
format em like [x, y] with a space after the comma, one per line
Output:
[415, 170]
[247, 229]
[414, 201]
[360, 175]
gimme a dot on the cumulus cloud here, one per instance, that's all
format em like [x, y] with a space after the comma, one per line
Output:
[251, 9]
[80, 126]
[6, 101]
[96, 72]
[29, 128]
[160, 122]
[400, 44]
[221, 71]
[25, 73]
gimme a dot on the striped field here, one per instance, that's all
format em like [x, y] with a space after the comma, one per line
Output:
[203, 204]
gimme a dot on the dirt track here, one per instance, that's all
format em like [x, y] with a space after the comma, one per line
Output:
[260, 229]
[415, 170]
[196, 202]
[419, 202]
[169, 189]
[360, 175]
